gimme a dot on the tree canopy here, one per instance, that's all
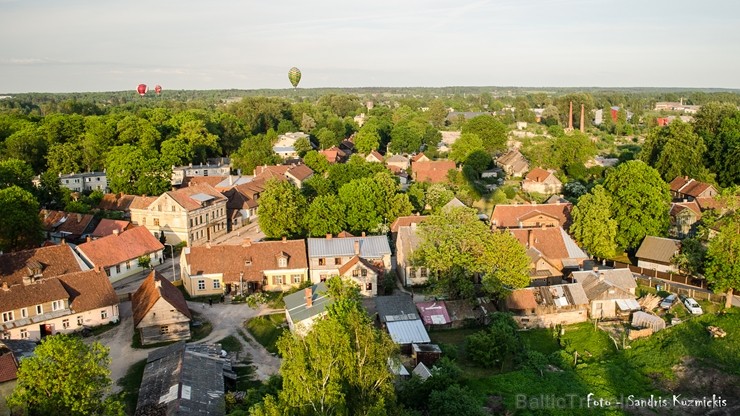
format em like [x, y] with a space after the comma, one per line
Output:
[593, 226]
[282, 207]
[65, 376]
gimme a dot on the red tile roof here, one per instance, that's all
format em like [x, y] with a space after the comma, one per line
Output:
[89, 290]
[148, 294]
[252, 259]
[375, 155]
[8, 364]
[300, 172]
[53, 261]
[678, 207]
[508, 216]
[184, 196]
[107, 226]
[521, 299]
[200, 180]
[142, 202]
[420, 157]
[432, 171]
[538, 175]
[407, 221]
[549, 241]
[67, 222]
[115, 249]
[688, 186]
[116, 202]
[40, 291]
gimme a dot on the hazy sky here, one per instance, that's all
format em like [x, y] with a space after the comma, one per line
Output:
[105, 45]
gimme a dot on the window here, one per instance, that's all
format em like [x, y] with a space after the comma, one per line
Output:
[356, 273]
[368, 286]
[104, 314]
[57, 305]
[79, 321]
[364, 272]
[159, 208]
[201, 285]
[322, 262]
[24, 333]
[118, 268]
[278, 280]
[322, 278]
[6, 335]
[39, 309]
[107, 271]
[65, 323]
[156, 221]
[24, 313]
[412, 271]
[191, 223]
[297, 278]
[143, 221]
[128, 265]
[8, 316]
[283, 262]
[423, 272]
[164, 330]
[173, 208]
[216, 284]
[337, 261]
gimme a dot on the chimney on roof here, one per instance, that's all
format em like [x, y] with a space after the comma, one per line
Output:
[247, 242]
[308, 292]
[115, 231]
[357, 247]
[363, 233]
[328, 236]
[285, 239]
[158, 284]
[601, 276]
[530, 239]
[208, 244]
[5, 286]
[89, 239]
[63, 241]
[79, 217]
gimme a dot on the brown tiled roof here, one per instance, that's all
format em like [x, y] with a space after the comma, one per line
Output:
[54, 261]
[375, 155]
[658, 249]
[333, 154]
[107, 226]
[353, 261]
[73, 223]
[706, 203]
[183, 196]
[8, 364]
[148, 294]
[89, 290]
[688, 186]
[116, 202]
[508, 216]
[244, 195]
[515, 160]
[521, 299]
[407, 221]
[200, 180]
[41, 291]
[252, 259]
[432, 171]
[538, 175]
[344, 234]
[420, 157]
[275, 169]
[300, 172]
[678, 207]
[51, 219]
[115, 249]
[142, 202]
[552, 242]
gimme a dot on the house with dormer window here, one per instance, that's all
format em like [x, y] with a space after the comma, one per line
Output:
[362, 259]
[246, 268]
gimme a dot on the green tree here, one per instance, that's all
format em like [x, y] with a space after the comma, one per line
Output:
[15, 172]
[21, 226]
[456, 242]
[327, 138]
[405, 139]
[325, 216]
[65, 157]
[722, 266]
[360, 199]
[138, 131]
[437, 195]
[437, 113]
[367, 140]
[49, 192]
[465, 145]
[675, 150]
[498, 344]
[144, 262]
[454, 400]
[491, 131]
[522, 111]
[135, 170]
[65, 376]
[692, 257]
[29, 146]
[593, 226]
[316, 161]
[302, 146]
[551, 116]
[176, 152]
[281, 209]
[640, 202]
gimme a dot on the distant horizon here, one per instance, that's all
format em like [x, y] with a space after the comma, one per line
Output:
[83, 45]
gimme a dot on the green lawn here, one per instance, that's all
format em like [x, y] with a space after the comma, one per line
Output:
[230, 344]
[454, 339]
[130, 384]
[267, 329]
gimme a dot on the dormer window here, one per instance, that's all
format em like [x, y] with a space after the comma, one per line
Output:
[282, 262]
[248, 262]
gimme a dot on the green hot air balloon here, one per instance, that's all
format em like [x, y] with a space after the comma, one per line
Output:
[294, 75]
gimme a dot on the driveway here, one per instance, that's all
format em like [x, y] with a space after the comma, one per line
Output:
[225, 319]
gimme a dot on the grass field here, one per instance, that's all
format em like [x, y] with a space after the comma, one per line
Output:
[267, 329]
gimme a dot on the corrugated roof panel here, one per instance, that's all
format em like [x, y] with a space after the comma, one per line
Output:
[574, 251]
[373, 247]
[408, 332]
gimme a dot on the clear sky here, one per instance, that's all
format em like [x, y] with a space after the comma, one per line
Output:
[107, 45]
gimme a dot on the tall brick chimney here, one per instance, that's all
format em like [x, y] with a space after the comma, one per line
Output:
[583, 118]
[357, 247]
[570, 116]
[309, 297]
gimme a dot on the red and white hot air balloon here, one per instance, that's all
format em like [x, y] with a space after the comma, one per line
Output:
[158, 89]
[141, 89]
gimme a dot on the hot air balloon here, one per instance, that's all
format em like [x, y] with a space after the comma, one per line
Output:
[158, 89]
[141, 89]
[294, 75]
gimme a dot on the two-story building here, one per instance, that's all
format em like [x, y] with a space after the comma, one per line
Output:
[685, 188]
[220, 167]
[542, 181]
[87, 181]
[49, 290]
[361, 259]
[195, 214]
[267, 265]
[160, 311]
[118, 254]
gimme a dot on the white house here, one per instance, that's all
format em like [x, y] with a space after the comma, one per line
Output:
[118, 254]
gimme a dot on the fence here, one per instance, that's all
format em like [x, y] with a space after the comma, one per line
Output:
[698, 293]
[673, 277]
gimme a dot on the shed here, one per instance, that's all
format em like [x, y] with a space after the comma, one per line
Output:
[426, 353]
[642, 319]
[434, 313]
[422, 371]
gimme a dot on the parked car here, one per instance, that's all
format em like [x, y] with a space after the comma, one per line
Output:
[668, 301]
[692, 306]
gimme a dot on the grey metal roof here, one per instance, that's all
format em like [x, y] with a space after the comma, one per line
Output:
[574, 251]
[295, 303]
[422, 371]
[182, 380]
[202, 197]
[408, 332]
[396, 308]
[658, 249]
[371, 247]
